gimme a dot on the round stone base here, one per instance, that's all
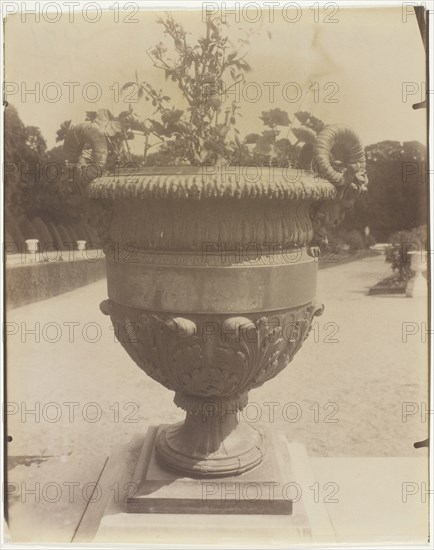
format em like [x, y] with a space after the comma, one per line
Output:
[213, 446]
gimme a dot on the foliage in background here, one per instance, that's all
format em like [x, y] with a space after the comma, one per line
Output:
[24, 150]
[401, 243]
[38, 198]
[397, 196]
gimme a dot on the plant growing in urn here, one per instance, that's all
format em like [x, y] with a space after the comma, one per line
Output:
[213, 269]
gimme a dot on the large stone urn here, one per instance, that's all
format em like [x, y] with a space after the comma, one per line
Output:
[211, 276]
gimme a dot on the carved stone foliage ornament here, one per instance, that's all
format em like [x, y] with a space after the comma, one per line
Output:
[211, 356]
[211, 280]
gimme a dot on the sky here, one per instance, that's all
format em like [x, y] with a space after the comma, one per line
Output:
[352, 69]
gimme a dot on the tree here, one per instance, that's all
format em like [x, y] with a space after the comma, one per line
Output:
[35, 142]
[24, 153]
[38, 186]
[398, 189]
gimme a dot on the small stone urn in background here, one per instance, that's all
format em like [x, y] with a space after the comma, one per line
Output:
[32, 248]
[81, 245]
[417, 286]
[211, 281]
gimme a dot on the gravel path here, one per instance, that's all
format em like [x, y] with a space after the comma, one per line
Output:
[343, 395]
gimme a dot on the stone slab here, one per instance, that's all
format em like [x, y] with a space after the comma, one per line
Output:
[248, 531]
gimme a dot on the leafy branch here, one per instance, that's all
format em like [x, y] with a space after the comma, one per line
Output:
[202, 72]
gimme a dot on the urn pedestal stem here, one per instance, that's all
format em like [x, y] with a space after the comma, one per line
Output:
[217, 445]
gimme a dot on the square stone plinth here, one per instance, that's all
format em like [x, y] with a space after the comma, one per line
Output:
[266, 489]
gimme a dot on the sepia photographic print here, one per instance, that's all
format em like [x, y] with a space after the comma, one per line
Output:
[216, 275]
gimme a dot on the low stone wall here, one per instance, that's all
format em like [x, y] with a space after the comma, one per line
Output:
[30, 282]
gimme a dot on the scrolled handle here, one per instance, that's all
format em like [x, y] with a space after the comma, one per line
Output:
[354, 165]
[77, 137]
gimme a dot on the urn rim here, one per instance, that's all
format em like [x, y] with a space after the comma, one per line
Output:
[199, 183]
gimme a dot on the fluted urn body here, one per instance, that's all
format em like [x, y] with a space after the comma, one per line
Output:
[211, 281]
[211, 288]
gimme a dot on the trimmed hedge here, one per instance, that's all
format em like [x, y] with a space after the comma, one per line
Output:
[65, 236]
[42, 233]
[10, 244]
[27, 229]
[73, 233]
[93, 236]
[86, 233]
[55, 236]
[13, 236]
